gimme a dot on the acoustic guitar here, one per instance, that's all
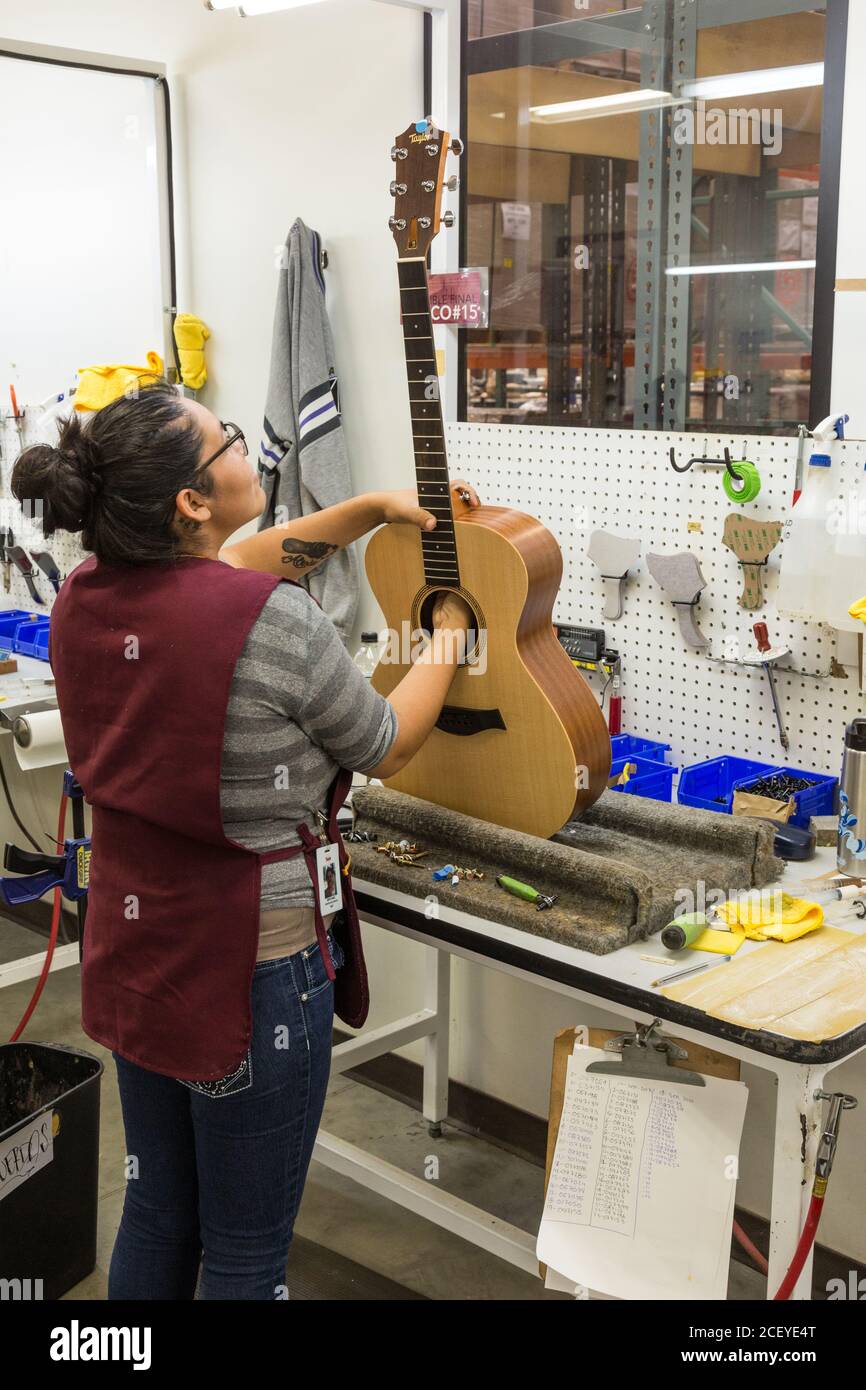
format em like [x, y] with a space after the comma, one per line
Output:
[522, 741]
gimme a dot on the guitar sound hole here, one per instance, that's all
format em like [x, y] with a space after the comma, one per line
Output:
[426, 621]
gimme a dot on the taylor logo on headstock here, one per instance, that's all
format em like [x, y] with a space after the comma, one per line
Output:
[421, 152]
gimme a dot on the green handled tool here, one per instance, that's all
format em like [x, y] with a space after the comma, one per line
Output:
[523, 890]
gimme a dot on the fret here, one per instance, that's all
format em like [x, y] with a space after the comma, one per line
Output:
[438, 547]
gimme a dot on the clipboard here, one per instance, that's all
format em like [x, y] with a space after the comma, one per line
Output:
[696, 1058]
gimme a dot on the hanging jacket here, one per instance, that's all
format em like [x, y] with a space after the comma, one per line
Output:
[143, 658]
[303, 463]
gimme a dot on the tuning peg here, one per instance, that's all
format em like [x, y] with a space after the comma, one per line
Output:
[424, 222]
[397, 224]
[399, 152]
[452, 184]
[397, 189]
[448, 219]
[432, 150]
[457, 146]
[428, 185]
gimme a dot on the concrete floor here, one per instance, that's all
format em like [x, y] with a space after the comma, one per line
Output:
[336, 1213]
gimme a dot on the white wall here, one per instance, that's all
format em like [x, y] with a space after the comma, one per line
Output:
[294, 115]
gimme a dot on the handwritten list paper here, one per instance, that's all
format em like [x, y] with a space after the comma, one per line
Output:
[641, 1194]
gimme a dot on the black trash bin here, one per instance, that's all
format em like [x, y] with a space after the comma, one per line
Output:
[49, 1168]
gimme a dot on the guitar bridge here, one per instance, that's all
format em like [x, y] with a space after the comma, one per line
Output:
[463, 722]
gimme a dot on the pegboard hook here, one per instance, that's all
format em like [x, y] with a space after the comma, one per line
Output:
[705, 463]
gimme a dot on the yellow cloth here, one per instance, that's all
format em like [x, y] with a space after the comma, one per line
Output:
[766, 916]
[191, 334]
[720, 943]
[98, 386]
[858, 610]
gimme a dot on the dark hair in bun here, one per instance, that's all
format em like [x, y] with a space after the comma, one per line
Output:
[115, 475]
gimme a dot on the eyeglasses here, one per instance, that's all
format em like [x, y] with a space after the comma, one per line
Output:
[234, 433]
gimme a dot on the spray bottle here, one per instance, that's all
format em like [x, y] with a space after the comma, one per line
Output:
[814, 580]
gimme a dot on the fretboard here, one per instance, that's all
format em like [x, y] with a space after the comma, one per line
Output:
[428, 436]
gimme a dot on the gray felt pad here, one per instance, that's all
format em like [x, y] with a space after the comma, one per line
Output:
[616, 873]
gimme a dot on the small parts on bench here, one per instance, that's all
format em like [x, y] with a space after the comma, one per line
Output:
[401, 851]
[615, 556]
[455, 873]
[523, 890]
[752, 542]
[357, 837]
[681, 578]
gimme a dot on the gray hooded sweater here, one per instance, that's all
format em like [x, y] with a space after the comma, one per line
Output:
[303, 463]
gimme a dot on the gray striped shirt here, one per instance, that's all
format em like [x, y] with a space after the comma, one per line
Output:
[298, 709]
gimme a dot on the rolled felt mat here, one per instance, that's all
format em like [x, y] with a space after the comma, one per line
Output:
[749, 485]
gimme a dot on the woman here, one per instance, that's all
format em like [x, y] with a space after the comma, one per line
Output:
[209, 712]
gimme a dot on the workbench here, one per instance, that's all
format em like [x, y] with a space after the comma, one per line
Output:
[621, 984]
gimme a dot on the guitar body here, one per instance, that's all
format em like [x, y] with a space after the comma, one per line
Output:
[525, 744]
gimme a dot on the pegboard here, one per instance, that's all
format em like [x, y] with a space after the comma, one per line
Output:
[578, 481]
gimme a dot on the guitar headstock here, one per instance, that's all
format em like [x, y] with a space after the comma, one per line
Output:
[420, 154]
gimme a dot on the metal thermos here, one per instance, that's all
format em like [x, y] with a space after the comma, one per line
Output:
[851, 852]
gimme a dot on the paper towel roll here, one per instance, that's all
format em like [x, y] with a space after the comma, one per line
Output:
[38, 739]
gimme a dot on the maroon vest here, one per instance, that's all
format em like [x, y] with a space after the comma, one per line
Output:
[143, 657]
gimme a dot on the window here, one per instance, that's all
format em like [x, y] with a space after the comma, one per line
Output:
[650, 189]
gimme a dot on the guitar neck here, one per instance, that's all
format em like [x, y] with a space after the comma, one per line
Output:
[439, 547]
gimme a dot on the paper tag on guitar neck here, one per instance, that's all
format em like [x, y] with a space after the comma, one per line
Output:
[328, 886]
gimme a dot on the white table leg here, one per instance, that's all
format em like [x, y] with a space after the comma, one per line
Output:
[437, 998]
[797, 1132]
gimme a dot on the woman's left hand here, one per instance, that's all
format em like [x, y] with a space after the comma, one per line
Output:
[403, 505]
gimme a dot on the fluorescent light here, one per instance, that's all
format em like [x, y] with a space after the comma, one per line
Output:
[253, 7]
[757, 267]
[615, 104]
[743, 84]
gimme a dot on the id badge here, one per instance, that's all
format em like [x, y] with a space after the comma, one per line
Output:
[329, 889]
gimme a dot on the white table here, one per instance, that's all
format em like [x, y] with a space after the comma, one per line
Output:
[621, 984]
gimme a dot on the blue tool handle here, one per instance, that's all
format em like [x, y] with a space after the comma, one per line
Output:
[29, 888]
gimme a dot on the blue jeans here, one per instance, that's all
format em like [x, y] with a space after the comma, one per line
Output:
[220, 1167]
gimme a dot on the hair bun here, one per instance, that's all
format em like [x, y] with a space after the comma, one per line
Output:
[66, 477]
[78, 448]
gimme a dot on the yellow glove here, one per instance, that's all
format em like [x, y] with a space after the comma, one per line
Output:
[191, 334]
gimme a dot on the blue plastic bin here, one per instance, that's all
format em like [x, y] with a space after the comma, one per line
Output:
[42, 642]
[817, 800]
[31, 639]
[629, 746]
[652, 779]
[10, 620]
[710, 785]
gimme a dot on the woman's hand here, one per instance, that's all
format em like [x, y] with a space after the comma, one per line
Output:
[451, 612]
[403, 505]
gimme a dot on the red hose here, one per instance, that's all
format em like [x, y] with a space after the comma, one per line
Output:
[52, 938]
[750, 1248]
[807, 1240]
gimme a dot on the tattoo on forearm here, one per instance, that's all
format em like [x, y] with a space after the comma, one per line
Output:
[305, 555]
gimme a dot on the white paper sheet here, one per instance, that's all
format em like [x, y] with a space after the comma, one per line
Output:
[641, 1195]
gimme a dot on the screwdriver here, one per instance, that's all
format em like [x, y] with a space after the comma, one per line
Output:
[523, 890]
